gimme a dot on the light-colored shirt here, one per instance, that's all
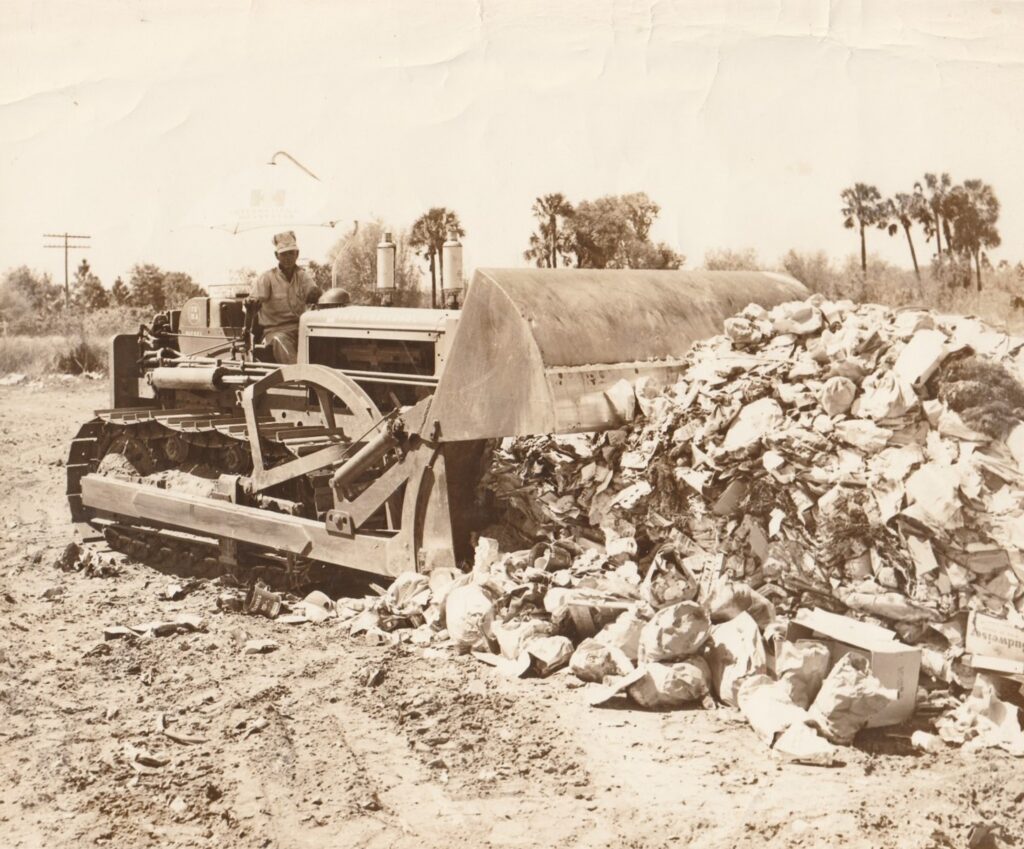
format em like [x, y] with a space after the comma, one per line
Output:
[283, 301]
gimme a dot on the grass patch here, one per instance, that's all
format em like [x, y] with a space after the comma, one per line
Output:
[72, 344]
[40, 355]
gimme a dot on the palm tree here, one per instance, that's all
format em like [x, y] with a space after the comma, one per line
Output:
[862, 209]
[428, 235]
[972, 211]
[904, 209]
[931, 207]
[545, 246]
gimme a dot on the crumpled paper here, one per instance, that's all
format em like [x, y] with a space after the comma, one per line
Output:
[674, 632]
[671, 685]
[594, 661]
[736, 650]
[983, 721]
[848, 698]
[465, 611]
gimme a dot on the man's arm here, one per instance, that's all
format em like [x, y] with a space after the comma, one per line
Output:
[261, 291]
[312, 291]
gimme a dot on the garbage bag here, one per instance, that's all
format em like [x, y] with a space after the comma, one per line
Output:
[736, 651]
[623, 634]
[441, 581]
[408, 593]
[668, 580]
[767, 705]
[801, 667]
[754, 422]
[728, 599]
[885, 396]
[802, 744]
[863, 434]
[848, 698]
[797, 317]
[549, 654]
[465, 610]
[671, 685]
[837, 395]
[593, 661]
[674, 632]
[513, 636]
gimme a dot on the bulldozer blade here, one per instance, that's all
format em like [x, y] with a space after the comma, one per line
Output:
[536, 350]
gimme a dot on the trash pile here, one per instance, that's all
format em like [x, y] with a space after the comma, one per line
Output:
[827, 455]
[821, 524]
[853, 456]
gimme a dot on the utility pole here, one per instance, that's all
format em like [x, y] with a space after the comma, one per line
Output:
[67, 245]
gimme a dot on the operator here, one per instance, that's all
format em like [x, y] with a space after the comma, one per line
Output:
[283, 293]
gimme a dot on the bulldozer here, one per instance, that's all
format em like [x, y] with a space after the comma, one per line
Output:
[366, 453]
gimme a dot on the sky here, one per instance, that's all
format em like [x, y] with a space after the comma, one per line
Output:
[150, 125]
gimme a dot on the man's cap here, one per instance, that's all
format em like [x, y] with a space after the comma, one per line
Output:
[285, 242]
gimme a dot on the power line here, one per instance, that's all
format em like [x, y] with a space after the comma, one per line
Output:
[67, 245]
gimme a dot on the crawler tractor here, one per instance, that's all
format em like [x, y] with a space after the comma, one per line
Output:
[366, 453]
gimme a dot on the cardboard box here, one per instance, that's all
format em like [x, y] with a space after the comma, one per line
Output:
[895, 664]
[991, 636]
[1010, 668]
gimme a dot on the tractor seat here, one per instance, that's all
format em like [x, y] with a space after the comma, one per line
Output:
[263, 353]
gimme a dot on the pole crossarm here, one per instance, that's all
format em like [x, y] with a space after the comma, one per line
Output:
[67, 245]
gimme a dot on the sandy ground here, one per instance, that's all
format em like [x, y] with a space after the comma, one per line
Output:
[298, 751]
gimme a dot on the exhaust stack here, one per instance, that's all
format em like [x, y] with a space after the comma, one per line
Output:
[451, 283]
[386, 265]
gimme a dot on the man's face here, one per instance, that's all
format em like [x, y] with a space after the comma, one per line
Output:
[287, 260]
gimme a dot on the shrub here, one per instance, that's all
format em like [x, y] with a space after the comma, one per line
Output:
[82, 356]
[984, 393]
[726, 259]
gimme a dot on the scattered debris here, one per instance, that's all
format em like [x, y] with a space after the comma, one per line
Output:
[925, 742]
[182, 623]
[143, 762]
[184, 739]
[260, 647]
[90, 561]
[983, 720]
[69, 558]
[262, 601]
[231, 602]
[247, 729]
[119, 632]
[176, 592]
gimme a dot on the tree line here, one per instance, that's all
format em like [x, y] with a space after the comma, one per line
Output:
[352, 260]
[960, 217]
[28, 299]
[612, 231]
